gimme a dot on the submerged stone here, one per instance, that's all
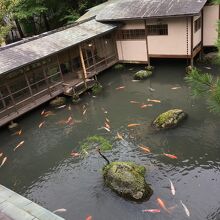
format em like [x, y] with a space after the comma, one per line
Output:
[169, 119]
[127, 180]
[58, 101]
[142, 74]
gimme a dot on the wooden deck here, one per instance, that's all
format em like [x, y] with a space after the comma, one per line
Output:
[15, 207]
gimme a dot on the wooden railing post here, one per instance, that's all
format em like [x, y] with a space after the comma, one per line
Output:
[83, 65]
[29, 87]
[46, 79]
[12, 98]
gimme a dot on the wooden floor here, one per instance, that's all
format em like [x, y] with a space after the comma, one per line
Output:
[15, 207]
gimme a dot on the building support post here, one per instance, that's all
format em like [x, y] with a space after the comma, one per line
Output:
[58, 62]
[202, 34]
[192, 38]
[12, 98]
[146, 38]
[83, 65]
[46, 79]
[29, 87]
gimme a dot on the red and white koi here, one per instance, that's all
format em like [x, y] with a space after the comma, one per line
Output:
[89, 218]
[151, 210]
[170, 156]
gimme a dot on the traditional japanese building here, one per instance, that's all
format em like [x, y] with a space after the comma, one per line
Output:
[37, 69]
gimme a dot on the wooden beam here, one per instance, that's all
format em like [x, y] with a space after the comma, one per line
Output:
[29, 86]
[12, 98]
[58, 62]
[192, 38]
[46, 79]
[83, 65]
[146, 38]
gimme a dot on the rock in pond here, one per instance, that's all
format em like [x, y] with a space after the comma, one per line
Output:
[169, 119]
[58, 101]
[142, 74]
[127, 180]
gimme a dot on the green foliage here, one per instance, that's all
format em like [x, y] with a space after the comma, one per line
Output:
[119, 66]
[142, 74]
[203, 84]
[96, 141]
[71, 17]
[97, 88]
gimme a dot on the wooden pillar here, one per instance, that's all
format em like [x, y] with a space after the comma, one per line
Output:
[202, 33]
[83, 65]
[114, 37]
[192, 38]
[12, 98]
[3, 101]
[70, 60]
[58, 62]
[146, 38]
[103, 46]
[46, 79]
[29, 86]
[93, 56]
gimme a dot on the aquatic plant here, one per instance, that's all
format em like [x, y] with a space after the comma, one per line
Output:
[97, 88]
[75, 98]
[142, 74]
[119, 66]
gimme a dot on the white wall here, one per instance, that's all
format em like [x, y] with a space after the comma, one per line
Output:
[197, 36]
[211, 16]
[129, 50]
[175, 43]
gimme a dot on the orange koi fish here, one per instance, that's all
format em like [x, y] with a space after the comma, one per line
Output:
[151, 210]
[133, 125]
[162, 205]
[89, 218]
[75, 154]
[41, 124]
[144, 148]
[134, 102]
[170, 156]
[19, 145]
[120, 136]
[120, 88]
[154, 100]
[3, 161]
[175, 88]
[18, 132]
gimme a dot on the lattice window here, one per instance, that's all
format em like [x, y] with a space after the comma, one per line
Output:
[157, 29]
[197, 24]
[131, 34]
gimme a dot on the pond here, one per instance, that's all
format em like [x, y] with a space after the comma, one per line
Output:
[43, 170]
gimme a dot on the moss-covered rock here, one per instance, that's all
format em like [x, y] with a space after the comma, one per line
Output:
[150, 68]
[169, 119]
[58, 101]
[142, 74]
[127, 180]
[119, 66]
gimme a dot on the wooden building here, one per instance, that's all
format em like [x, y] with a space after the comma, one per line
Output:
[38, 69]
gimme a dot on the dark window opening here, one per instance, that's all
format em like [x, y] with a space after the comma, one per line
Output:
[197, 24]
[157, 29]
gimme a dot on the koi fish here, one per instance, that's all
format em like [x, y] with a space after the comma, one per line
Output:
[208, 68]
[144, 148]
[59, 210]
[62, 106]
[185, 208]
[134, 102]
[1, 154]
[151, 210]
[119, 136]
[151, 89]
[154, 100]
[135, 80]
[48, 113]
[19, 145]
[170, 156]
[133, 125]
[173, 191]
[69, 108]
[120, 88]
[70, 119]
[104, 111]
[144, 106]
[107, 129]
[75, 154]
[175, 88]
[61, 122]
[41, 124]
[107, 125]
[162, 205]
[18, 132]
[107, 120]
[3, 161]
[89, 218]
[43, 112]
[84, 112]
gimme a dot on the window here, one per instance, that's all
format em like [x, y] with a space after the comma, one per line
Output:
[157, 29]
[131, 34]
[197, 24]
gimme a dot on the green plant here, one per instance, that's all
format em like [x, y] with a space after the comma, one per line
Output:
[119, 66]
[149, 68]
[97, 88]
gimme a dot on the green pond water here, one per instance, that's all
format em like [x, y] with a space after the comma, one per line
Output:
[44, 171]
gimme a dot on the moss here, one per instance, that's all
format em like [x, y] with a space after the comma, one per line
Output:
[58, 101]
[97, 88]
[142, 74]
[94, 141]
[75, 98]
[161, 119]
[150, 68]
[119, 66]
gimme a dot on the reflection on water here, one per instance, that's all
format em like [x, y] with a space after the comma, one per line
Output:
[43, 170]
